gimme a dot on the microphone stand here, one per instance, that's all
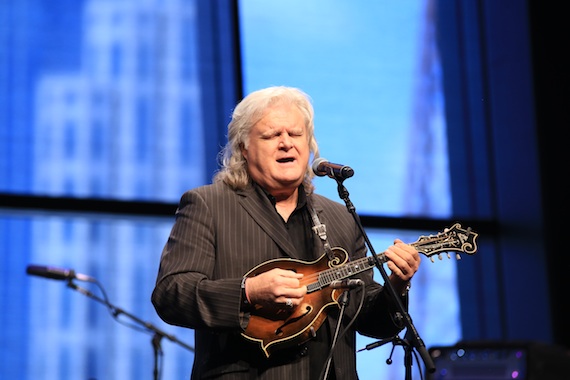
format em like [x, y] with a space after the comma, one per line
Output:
[396, 341]
[158, 334]
[343, 300]
[414, 337]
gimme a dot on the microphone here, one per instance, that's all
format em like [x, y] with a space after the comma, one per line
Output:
[322, 167]
[354, 283]
[56, 273]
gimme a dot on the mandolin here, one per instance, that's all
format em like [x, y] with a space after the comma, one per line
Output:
[285, 328]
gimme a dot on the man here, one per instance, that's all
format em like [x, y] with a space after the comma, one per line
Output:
[237, 265]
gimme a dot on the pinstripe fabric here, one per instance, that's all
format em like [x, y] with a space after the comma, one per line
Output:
[218, 236]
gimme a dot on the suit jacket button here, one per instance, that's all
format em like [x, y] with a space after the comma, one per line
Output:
[304, 351]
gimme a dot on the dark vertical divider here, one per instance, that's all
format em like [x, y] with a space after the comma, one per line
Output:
[220, 71]
[550, 31]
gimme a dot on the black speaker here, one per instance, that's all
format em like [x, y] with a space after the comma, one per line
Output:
[500, 361]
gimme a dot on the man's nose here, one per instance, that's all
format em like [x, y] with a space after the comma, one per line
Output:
[286, 142]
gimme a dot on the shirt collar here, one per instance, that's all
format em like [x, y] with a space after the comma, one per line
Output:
[301, 198]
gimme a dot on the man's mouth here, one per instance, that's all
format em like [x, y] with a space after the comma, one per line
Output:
[284, 160]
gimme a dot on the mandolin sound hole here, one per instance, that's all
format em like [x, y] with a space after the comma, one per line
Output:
[279, 330]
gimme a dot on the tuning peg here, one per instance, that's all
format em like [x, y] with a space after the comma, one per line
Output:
[458, 256]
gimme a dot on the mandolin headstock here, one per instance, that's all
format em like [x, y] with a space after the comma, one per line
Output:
[452, 239]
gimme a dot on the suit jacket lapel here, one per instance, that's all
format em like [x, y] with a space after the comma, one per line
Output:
[256, 205]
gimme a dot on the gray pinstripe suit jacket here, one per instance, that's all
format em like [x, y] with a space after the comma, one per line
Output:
[219, 235]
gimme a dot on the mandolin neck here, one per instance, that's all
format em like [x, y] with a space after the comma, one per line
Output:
[454, 238]
[326, 277]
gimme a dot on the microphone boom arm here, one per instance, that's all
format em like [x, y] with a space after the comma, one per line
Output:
[118, 311]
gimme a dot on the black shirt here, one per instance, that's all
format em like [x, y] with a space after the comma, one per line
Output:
[299, 226]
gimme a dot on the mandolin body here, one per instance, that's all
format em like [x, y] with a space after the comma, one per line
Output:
[279, 328]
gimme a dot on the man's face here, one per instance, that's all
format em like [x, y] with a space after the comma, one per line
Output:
[278, 151]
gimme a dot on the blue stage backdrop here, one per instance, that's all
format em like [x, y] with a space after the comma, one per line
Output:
[101, 99]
